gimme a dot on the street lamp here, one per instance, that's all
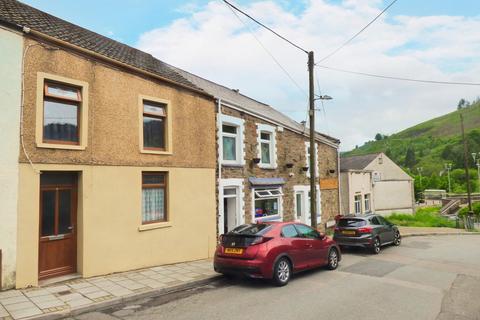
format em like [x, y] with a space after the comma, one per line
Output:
[324, 97]
[420, 169]
[448, 167]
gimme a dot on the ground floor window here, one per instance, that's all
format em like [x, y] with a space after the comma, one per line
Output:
[366, 200]
[267, 204]
[154, 205]
[358, 203]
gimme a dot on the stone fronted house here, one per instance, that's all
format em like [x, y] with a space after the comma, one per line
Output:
[374, 183]
[263, 159]
[108, 155]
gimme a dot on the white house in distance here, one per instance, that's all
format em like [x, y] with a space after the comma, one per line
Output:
[374, 183]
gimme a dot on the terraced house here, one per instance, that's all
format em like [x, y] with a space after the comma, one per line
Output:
[108, 154]
[113, 160]
[263, 163]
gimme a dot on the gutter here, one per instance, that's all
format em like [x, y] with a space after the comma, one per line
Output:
[239, 108]
[62, 43]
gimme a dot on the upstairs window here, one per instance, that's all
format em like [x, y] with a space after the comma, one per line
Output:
[61, 113]
[230, 142]
[266, 146]
[154, 125]
[307, 158]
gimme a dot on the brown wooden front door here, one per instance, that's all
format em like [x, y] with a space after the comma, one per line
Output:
[58, 217]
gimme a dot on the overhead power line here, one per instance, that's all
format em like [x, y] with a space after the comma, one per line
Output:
[261, 24]
[401, 78]
[267, 51]
[356, 34]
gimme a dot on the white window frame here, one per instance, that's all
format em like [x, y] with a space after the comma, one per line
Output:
[367, 199]
[277, 217]
[231, 183]
[239, 124]
[264, 128]
[304, 190]
[359, 202]
[307, 159]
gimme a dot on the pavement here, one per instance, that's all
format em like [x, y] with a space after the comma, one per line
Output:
[423, 231]
[408, 264]
[81, 295]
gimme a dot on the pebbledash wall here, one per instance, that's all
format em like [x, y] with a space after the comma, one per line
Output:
[11, 46]
[110, 162]
[291, 148]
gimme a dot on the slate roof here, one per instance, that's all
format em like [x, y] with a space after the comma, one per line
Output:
[356, 162]
[13, 12]
[248, 104]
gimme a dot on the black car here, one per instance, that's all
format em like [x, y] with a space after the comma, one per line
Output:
[370, 231]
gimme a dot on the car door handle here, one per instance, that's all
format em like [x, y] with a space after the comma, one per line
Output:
[308, 245]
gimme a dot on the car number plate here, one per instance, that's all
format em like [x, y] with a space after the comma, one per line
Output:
[348, 232]
[233, 250]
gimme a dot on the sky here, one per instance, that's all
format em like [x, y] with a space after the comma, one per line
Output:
[428, 39]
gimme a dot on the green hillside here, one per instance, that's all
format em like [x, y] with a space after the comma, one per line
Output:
[431, 144]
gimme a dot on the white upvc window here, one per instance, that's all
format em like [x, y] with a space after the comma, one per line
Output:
[267, 204]
[231, 151]
[358, 203]
[366, 200]
[307, 158]
[267, 150]
[302, 204]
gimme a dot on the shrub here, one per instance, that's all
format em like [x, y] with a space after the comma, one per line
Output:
[424, 217]
[475, 207]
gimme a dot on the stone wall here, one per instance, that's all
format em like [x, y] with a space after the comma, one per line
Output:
[291, 148]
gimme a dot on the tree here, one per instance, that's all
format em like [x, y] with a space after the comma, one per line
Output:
[378, 137]
[410, 160]
[461, 104]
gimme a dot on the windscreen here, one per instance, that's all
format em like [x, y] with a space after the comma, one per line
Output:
[351, 223]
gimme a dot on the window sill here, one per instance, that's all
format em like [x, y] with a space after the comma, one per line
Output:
[267, 166]
[152, 226]
[234, 165]
[169, 153]
[61, 146]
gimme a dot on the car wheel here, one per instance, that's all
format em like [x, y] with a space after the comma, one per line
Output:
[332, 259]
[398, 239]
[282, 272]
[376, 246]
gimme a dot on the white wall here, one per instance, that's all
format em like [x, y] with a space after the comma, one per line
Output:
[393, 196]
[11, 48]
[359, 183]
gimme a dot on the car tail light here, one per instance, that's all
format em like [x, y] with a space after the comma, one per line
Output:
[365, 230]
[259, 240]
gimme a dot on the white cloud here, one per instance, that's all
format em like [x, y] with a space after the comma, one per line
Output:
[211, 42]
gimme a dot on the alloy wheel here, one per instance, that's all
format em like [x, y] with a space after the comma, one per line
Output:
[333, 259]
[397, 239]
[283, 271]
[376, 246]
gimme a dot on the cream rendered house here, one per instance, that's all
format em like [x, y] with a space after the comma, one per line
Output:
[374, 183]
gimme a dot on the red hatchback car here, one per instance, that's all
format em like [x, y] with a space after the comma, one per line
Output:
[274, 250]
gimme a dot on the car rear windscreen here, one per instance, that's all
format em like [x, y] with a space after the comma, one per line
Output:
[254, 229]
[351, 223]
[245, 235]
